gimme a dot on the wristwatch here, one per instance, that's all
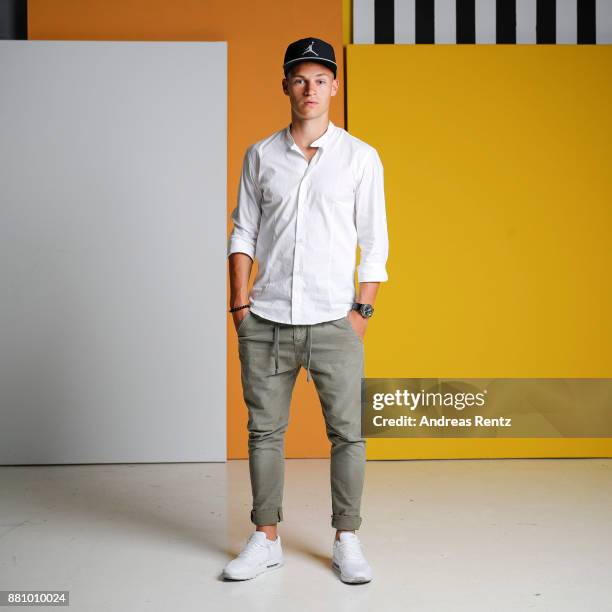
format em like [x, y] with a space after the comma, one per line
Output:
[365, 310]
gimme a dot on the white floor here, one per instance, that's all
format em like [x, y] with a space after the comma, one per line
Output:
[490, 535]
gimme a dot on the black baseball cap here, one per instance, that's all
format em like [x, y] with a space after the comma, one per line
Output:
[310, 50]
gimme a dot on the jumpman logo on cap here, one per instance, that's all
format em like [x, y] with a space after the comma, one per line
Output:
[309, 49]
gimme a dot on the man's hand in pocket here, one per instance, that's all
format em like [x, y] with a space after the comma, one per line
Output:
[358, 322]
[238, 316]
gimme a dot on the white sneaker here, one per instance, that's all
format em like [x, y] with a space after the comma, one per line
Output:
[348, 559]
[258, 555]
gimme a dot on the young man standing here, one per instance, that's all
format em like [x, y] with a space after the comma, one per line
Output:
[309, 194]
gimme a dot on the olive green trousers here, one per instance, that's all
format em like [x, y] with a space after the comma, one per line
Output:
[271, 356]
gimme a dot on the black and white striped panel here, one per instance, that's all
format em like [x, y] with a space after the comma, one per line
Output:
[482, 21]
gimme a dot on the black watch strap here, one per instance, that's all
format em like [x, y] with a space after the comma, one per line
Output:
[365, 310]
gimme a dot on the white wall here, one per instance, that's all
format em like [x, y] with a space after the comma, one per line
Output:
[112, 251]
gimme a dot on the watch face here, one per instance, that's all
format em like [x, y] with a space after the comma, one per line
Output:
[366, 310]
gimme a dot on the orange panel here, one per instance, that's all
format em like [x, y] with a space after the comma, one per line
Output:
[257, 34]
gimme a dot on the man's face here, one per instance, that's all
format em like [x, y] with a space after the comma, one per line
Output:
[310, 86]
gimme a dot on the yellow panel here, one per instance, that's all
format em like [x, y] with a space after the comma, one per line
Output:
[499, 197]
[454, 448]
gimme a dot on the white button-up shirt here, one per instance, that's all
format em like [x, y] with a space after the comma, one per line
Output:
[303, 220]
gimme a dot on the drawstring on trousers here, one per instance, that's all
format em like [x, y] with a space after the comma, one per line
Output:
[276, 345]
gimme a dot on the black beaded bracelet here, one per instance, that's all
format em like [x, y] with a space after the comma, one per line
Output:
[235, 308]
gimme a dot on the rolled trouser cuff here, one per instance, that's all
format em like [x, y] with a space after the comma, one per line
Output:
[345, 521]
[266, 516]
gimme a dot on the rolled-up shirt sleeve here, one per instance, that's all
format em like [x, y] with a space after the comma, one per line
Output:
[247, 213]
[371, 221]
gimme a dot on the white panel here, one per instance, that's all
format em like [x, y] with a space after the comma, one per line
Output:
[485, 22]
[113, 228]
[404, 21]
[445, 18]
[603, 21]
[526, 19]
[566, 22]
[363, 22]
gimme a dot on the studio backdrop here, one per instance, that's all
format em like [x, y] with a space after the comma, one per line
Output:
[112, 251]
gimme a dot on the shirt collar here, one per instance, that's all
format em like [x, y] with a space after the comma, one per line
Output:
[319, 142]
